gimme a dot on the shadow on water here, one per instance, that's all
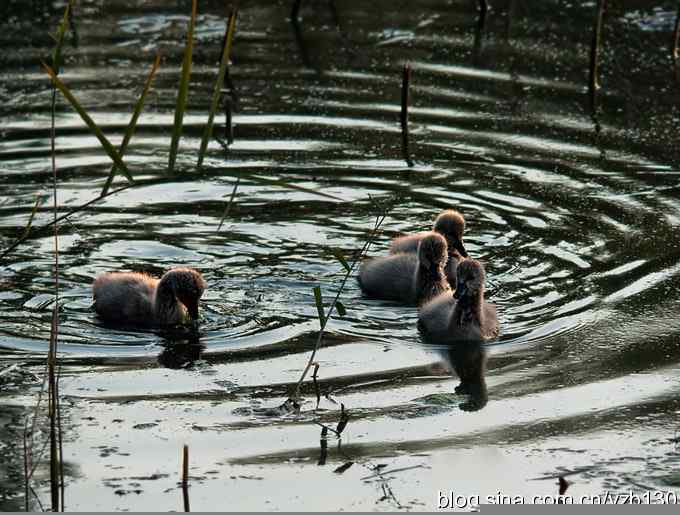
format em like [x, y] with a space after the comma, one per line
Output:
[572, 203]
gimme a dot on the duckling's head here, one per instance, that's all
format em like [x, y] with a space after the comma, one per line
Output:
[188, 285]
[451, 224]
[432, 252]
[471, 277]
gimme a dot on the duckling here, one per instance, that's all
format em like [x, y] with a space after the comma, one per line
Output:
[408, 278]
[463, 316]
[133, 298]
[450, 224]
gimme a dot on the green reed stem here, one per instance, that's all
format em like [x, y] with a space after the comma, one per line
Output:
[108, 147]
[405, 98]
[595, 44]
[217, 91]
[183, 92]
[132, 126]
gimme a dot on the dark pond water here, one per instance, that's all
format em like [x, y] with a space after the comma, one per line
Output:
[579, 230]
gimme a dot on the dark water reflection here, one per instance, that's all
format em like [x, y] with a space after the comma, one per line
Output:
[578, 230]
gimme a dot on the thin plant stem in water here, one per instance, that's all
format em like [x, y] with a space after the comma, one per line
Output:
[295, 11]
[185, 478]
[183, 90]
[132, 126]
[593, 82]
[56, 478]
[371, 237]
[227, 209]
[675, 48]
[483, 8]
[52, 410]
[108, 147]
[405, 98]
[217, 92]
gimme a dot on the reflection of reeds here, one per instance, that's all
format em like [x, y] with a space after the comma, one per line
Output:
[183, 91]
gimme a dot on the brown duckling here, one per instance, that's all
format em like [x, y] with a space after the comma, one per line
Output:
[450, 224]
[132, 298]
[408, 278]
[463, 316]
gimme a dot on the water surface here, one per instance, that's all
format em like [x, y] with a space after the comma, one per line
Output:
[575, 217]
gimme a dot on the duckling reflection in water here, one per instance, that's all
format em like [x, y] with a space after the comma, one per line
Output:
[451, 225]
[408, 278]
[468, 361]
[182, 353]
[131, 298]
[463, 316]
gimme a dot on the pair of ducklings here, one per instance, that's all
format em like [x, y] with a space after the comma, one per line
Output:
[422, 269]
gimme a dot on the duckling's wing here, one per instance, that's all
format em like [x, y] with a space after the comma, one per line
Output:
[389, 278]
[407, 244]
[491, 328]
[434, 317]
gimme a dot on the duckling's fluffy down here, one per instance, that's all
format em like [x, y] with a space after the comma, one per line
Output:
[125, 297]
[390, 278]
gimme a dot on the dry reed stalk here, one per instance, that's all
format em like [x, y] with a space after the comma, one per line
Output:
[185, 478]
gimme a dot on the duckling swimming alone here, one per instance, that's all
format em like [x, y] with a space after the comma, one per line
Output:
[463, 316]
[450, 224]
[408, 278]
[133, 298]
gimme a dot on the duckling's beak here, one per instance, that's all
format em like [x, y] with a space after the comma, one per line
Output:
[461, 289]
[458, 245]
[192, 308]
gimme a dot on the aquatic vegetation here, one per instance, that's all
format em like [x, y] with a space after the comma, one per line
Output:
[217, 91]
[183, 90]
[130, 130]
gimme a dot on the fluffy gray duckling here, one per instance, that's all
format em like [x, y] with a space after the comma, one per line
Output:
[463, 316]
[133, 298]
[411, 279]
[450, 224]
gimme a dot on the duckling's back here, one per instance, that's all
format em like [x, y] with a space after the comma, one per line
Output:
[125, 297]
[434, 318]
[390, 278]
